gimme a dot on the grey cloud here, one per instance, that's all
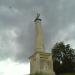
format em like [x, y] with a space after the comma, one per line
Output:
[57, 21]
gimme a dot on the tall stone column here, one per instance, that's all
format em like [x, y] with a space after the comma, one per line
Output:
[39, 34]
[40, 61]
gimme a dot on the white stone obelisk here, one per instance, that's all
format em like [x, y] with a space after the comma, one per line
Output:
[39, 34]
[40, 61]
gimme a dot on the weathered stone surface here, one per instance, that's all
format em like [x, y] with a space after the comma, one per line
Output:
[40, 61]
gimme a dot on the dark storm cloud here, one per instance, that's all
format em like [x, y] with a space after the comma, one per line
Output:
[17, 28]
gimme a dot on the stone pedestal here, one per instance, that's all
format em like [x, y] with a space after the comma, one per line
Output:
[41, 62]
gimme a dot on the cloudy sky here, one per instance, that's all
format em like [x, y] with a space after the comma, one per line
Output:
[17, 30]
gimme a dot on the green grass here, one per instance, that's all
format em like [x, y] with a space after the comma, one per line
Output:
[68, 74]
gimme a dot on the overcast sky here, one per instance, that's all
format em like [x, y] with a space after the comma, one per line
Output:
[17, 29]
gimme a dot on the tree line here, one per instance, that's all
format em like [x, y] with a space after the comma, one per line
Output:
[63, 58]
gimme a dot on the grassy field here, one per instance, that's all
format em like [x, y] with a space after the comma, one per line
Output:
[68, 74]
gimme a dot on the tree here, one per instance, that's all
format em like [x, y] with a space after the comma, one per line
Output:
[63, 56]
[57, 51]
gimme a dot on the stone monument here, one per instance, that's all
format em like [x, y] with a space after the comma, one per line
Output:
[40, 61]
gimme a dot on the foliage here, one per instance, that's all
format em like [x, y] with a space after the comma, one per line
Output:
[63, 56]
[68, 74]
